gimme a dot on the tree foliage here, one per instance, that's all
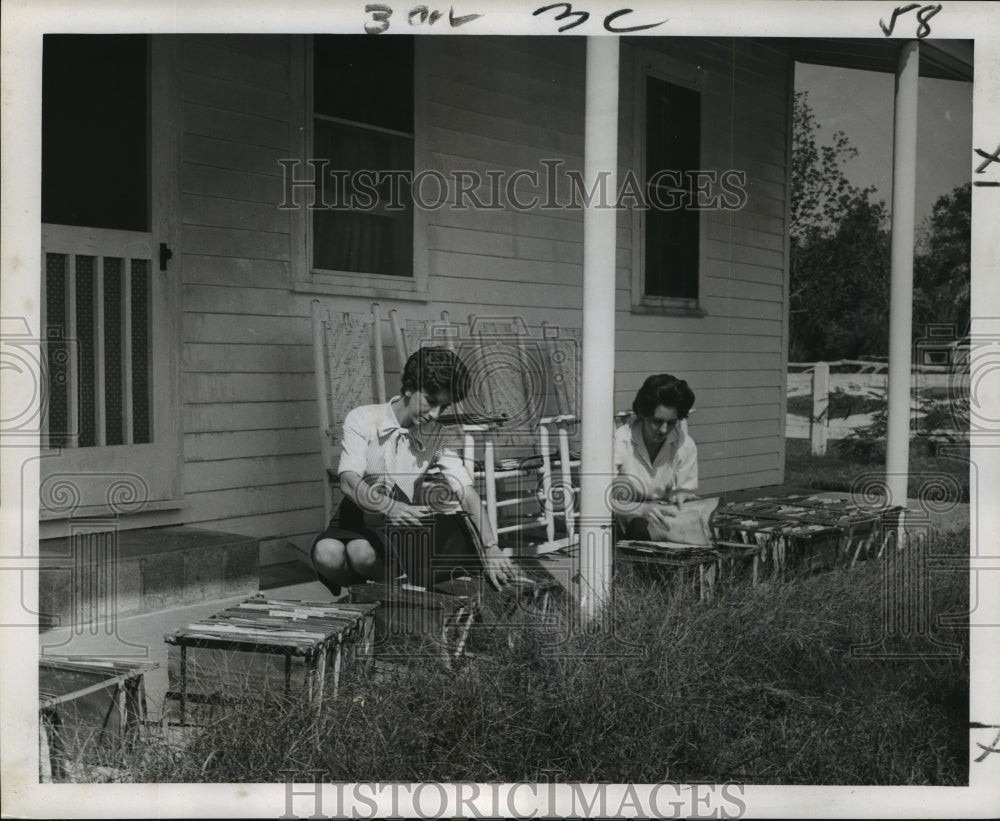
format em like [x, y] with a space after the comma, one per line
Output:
[839, 251]
[839, 298]
[821, 193]
[942, 267]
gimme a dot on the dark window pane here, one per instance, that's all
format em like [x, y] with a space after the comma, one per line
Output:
[140, 351]
[673, 139]
[372, 238]
[56, 328]
[672, 253]
[114, 429]
[85, 349]
[364, 79]
[94, 131]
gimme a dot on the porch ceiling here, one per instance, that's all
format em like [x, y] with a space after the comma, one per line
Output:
[940, 59]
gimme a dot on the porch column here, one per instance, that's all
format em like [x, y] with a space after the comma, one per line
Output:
[600, 164]
[904, 184]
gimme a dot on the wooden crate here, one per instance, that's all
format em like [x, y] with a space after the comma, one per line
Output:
[801, 533]
[697, 565]
[265, 645]
[89, 708]
[413, 623]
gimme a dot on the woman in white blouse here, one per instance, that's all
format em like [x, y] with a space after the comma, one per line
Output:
[656, 460]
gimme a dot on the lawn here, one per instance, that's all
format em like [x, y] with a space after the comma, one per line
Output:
[941, 478]
[760, 685]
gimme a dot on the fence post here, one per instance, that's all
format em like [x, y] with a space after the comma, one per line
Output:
[819, 424]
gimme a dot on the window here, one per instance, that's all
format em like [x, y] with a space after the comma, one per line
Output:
[667, 238]
[362, 128]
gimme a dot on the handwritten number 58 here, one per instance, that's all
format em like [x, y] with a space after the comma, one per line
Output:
[923, 18]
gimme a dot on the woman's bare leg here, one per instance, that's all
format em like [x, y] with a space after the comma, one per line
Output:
[364, 560]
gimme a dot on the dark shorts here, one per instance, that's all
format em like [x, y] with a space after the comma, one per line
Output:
[443, 549]
[637, 529]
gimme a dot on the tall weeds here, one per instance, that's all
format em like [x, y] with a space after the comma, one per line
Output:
[758, 686]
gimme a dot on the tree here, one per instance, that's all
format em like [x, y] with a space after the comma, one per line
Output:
[842, 301]
[839, 297]
[821, 193]
[942, 265]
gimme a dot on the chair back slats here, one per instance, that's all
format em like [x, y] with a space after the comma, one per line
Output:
[420, 333]
[529, 376]
[563, 357]
[345, 378]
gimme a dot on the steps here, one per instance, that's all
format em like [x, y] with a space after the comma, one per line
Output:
[99, 574]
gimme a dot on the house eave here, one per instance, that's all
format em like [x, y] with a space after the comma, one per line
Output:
[939, 59]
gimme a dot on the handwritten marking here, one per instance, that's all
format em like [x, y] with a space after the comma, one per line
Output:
[380, 18]
[887, 30]
[992, 748]
[417, 16]
[583, 16]
[455, 22]
[423, 13]
[923, 18]
[990, 159]
[986, 184]
[622, 12]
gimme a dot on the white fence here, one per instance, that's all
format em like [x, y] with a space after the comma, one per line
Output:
[868, 381]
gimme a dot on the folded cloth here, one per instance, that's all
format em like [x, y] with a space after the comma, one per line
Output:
[691, 525]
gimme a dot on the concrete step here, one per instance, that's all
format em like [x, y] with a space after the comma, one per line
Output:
[101, 574]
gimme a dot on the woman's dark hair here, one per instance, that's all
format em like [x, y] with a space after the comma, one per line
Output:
[663, 389]
[435, 369]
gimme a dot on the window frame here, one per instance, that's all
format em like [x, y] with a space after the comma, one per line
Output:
[310, 280]
[648, 63]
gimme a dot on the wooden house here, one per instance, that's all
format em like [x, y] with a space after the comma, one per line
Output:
[196, 406]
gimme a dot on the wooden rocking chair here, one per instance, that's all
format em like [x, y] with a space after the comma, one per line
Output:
[511, 373]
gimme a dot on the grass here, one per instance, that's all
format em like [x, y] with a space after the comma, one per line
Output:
[759, 686]
[943, 477]
[841, 405]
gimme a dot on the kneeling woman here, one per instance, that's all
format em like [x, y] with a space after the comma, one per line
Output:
[657, 465]
[404, 492]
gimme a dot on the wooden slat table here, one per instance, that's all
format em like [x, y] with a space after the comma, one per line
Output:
[776, 534]
[704, 561]
[410, 618]
[81, 702]
[230, 645]
[803, 530]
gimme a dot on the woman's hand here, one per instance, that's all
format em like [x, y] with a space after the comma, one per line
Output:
[660, 513]
[498, 566]
[400, 513]
[680, 496]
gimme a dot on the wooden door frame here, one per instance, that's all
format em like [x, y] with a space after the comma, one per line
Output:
[164, 505]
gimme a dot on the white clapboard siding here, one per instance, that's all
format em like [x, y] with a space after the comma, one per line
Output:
[737, 376]
[208, 447]
[214, 417]
[248, 358]
[251, 446]
[263, 186]
[266, 499]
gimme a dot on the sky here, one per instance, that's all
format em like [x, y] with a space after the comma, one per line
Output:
[859, 103]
